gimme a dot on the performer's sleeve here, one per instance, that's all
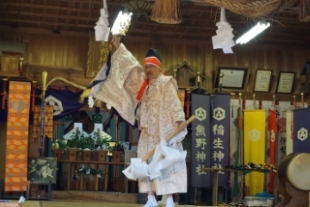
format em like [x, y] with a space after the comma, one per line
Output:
[133, 83]
[174, 105]
[127, 71]
[123, 59]
[121, 85]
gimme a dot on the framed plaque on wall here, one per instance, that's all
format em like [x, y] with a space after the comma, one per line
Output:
[285, 82]
[262, 80]
[233, 77]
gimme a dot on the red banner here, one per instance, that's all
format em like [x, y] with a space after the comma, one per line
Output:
[272, 127]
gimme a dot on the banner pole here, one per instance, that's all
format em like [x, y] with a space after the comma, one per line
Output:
[302, 100]
[242, 181]
[254, 102]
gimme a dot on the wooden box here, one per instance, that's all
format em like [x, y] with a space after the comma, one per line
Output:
[72, 154]
[117, 156]
[101, 155]
[86, 155]
[57, 154]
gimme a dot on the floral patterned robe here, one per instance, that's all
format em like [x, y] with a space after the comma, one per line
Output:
[159, 111]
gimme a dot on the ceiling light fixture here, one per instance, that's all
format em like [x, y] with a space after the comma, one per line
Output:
[257, 29]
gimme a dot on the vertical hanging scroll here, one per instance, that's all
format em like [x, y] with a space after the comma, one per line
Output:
[254, 147]
[200, 140]
[301, 130]
[220, 127]
[17, 136]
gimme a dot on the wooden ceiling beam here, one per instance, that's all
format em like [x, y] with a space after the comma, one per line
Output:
[29, 30]
[42, 6]
[159, 32]
[278, 39]
[49, 23]
[94, 19]
[234, 25]
[130, 38]
[90, 27]
[287, 37]
[30, 14]
[145, 31]
[278, 42]
[55, 16]
[154, 24]
[17, 13]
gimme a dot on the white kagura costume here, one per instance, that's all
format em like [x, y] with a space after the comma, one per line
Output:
[158, 113]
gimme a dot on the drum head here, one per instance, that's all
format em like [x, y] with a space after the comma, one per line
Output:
[298, 171]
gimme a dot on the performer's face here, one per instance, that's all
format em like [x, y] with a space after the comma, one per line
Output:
[151, 71]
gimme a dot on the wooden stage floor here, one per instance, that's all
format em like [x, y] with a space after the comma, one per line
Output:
[83, 204]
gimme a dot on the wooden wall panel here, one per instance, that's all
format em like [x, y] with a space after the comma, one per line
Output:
[66, 56]
[203, 57]
[55, 50]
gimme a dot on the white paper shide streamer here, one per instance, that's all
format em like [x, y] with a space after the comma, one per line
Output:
[163, 158]
[224, 36]
[122, 23]
[91, 101]
[102, 29]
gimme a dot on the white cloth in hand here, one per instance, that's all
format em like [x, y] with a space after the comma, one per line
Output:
[178, 137]
[163, 158]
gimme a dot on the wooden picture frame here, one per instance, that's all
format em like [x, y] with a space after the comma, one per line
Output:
[262, 80]
[285, 82]
[234, 77]
[42, 170]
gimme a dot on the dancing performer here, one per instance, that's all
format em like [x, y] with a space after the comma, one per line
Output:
[159, 112]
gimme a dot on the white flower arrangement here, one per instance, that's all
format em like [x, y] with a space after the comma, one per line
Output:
[102, 140]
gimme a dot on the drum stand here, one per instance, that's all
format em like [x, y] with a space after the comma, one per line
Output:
[292, 196]
[285, 196]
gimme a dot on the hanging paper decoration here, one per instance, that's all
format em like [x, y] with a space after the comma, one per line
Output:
[224, 38]
[102, 29]
[254, 147]
[90, 101]
[16, 151]
[122, 23]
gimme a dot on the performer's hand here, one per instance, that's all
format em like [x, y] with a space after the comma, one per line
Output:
[182, 125]
[116, 41]
[84, 95]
